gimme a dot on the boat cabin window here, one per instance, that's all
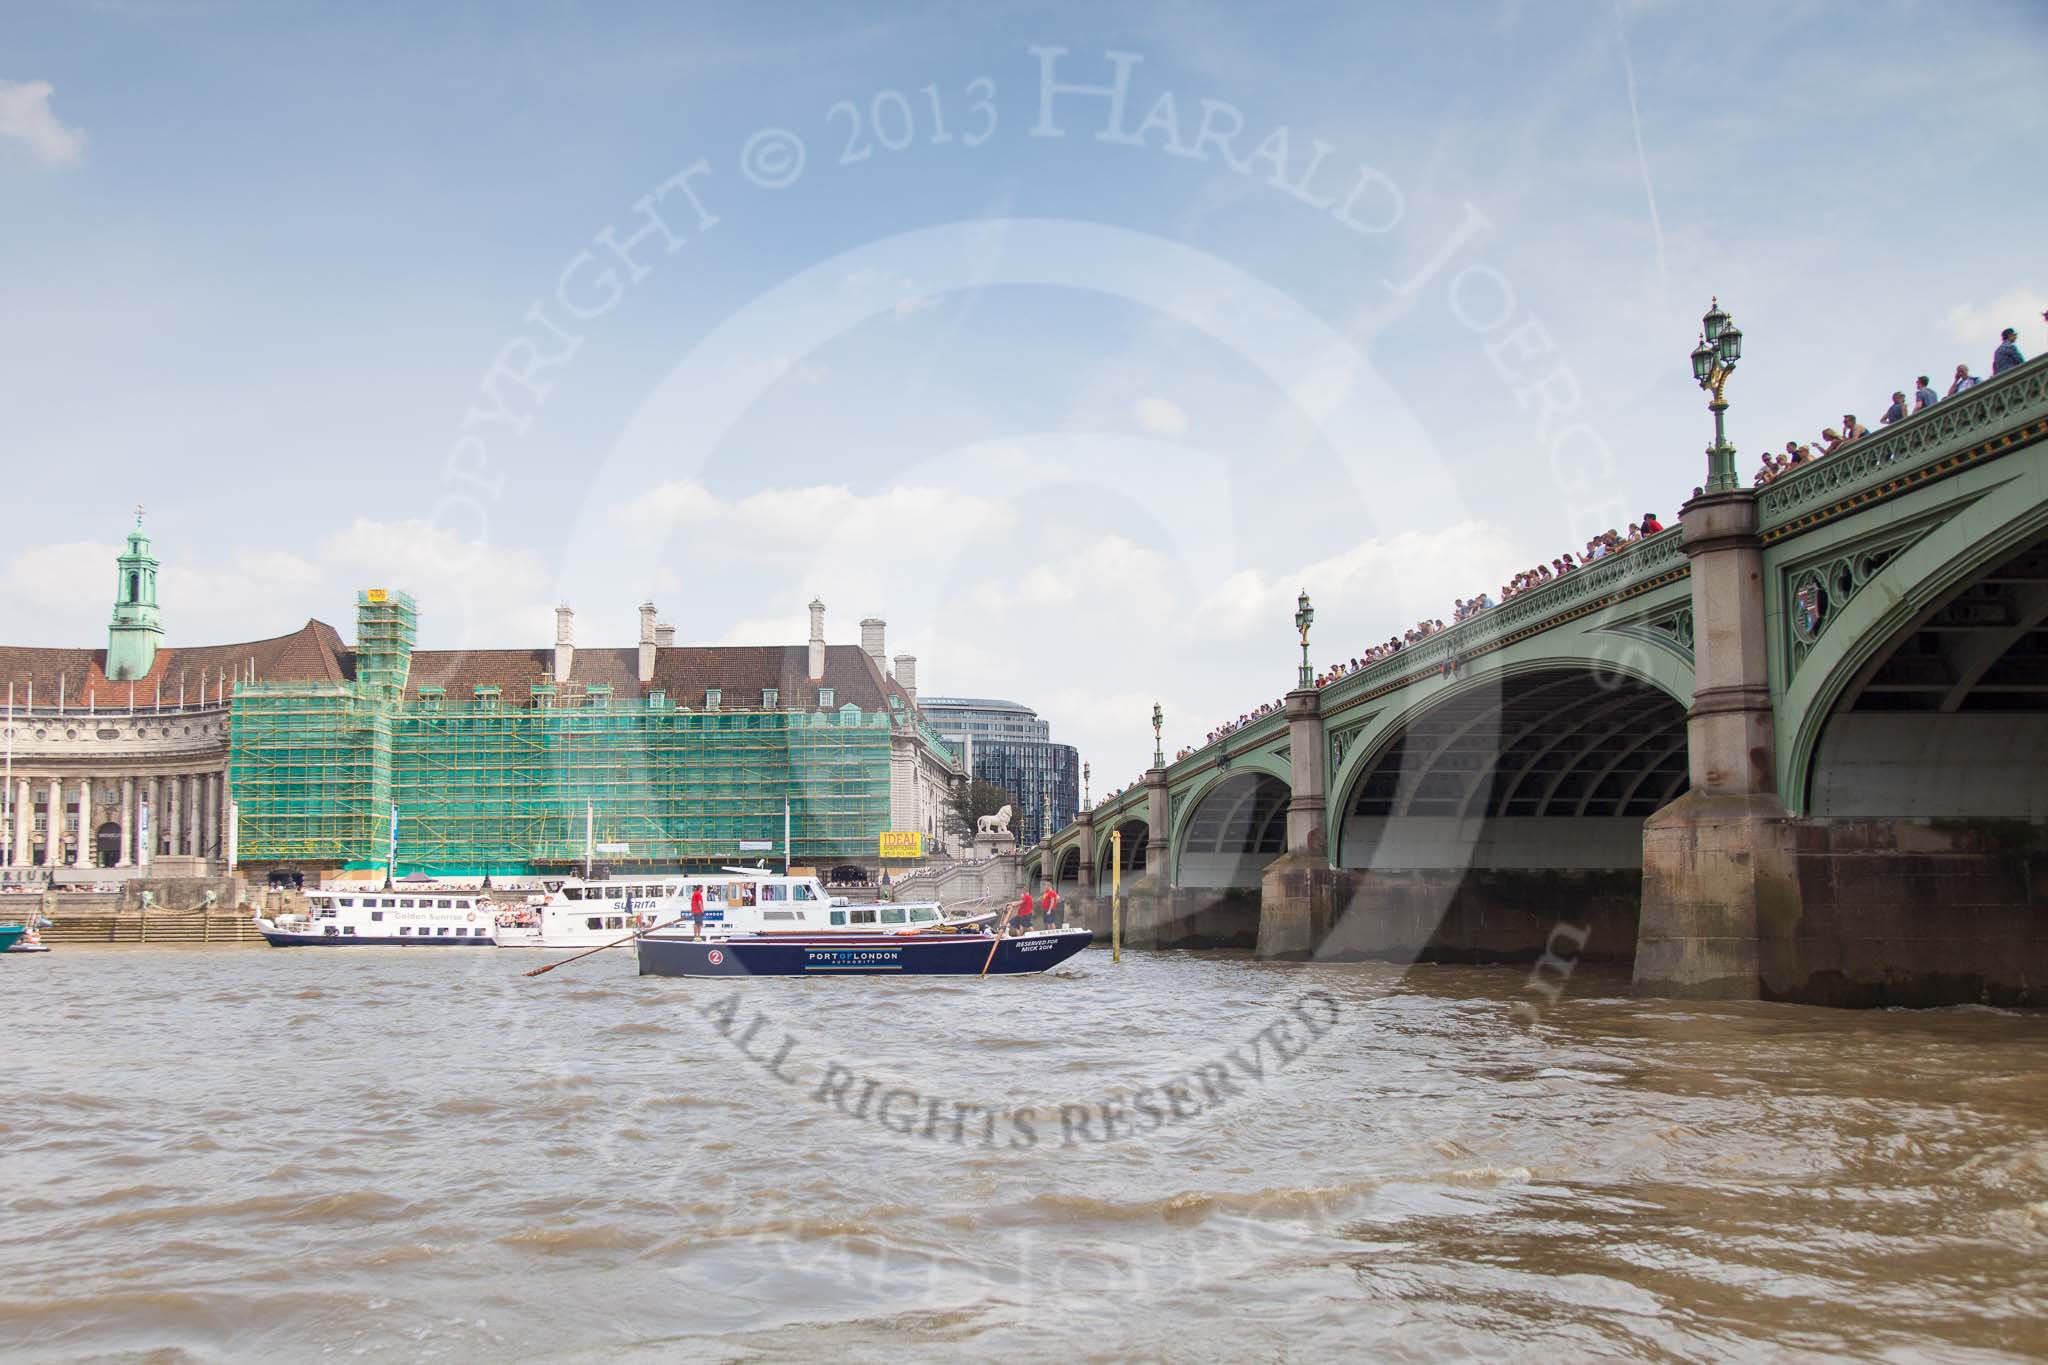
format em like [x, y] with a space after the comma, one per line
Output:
[404, 929]
[614, 893]
[574, 893]
[922, 915]
[863, 917]
[443, 933]
[839, 917]
[376, 915]
[771, 892]
[346, 900]
[778, 914]
[805, 891]
[594, 922]
[405, 904]
[614, 922]
[893, 914]
[442, 905]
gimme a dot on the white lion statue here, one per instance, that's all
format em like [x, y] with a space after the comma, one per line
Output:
[999, 823]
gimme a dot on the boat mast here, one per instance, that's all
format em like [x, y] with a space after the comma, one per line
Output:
[7, 788]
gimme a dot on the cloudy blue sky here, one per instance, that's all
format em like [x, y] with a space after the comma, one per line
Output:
[511, 304]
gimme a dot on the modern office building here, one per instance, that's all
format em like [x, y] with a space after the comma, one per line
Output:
[1006, 743]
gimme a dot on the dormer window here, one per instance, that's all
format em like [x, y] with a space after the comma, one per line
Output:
[825, 698]
[714, 697]
[771, 698]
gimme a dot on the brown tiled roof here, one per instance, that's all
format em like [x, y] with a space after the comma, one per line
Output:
[685, 672]
[316, 653]
[312, 653]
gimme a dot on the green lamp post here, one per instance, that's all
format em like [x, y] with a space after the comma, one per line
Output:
[1158, 748]
[1713, 361]
[1304, 617]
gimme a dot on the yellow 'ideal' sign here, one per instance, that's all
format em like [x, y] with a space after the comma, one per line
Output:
[903, 844]
[375, 595]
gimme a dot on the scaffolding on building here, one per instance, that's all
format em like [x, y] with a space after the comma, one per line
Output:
[483, 787]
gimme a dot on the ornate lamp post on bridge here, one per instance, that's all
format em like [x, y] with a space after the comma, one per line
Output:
[1158, 748]
[1713, 361]
[1304, 617]
[1086, 803]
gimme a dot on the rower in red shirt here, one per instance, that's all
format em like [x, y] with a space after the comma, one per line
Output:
[1024, 914]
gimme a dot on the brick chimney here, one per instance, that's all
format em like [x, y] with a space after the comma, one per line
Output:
[647, 629]
[906, 674]
[565, 642]
[871, 631]
[817, 660]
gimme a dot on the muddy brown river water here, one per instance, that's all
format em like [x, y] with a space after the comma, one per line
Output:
[243, 1154]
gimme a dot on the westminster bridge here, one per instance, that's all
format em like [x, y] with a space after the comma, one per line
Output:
[1795, 747]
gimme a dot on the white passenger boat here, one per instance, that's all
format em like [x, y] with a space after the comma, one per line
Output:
[415, 917]
[737, 900]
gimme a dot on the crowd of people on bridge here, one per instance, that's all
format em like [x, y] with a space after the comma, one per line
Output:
[1463, 609]
[1613, 541]
[1833, 440]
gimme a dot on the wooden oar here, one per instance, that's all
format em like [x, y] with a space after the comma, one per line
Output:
[542, 971]
[1002, 928]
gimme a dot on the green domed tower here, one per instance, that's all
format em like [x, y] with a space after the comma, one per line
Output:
[136, 628]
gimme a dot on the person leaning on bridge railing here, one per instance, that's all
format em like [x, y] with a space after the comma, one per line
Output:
[2008, 353]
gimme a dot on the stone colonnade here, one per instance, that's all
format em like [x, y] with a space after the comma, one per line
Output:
[53, 819]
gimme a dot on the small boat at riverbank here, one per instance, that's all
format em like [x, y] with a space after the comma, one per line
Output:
[31, 940]
[392, 919]
[10, 935]
[902, 953]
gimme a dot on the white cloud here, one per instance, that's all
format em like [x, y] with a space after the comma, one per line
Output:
[1138, 574]
[787, 523]
[784, 367]
[481, 595]
[903, 296]
[2018, 308]
[1161, 415]
[1323, 391]
[68, 582]
[1372, 586]
[769, 630]
[26, 117]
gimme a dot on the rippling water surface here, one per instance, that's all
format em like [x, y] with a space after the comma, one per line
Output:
[231, 1154]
